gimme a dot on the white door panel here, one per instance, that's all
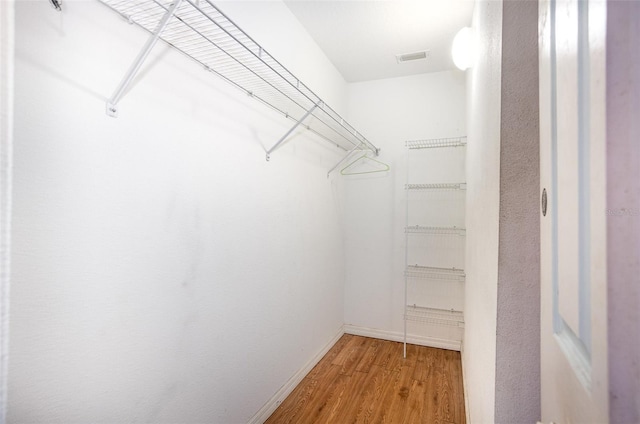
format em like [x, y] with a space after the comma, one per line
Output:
[572, 156]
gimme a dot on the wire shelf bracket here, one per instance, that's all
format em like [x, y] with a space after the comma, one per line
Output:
[199, 30]
[284, 137]
[112, 103]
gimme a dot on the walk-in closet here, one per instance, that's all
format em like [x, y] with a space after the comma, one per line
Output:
[250, 211]
[204, 204]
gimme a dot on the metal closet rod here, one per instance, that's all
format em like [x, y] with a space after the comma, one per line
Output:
[202, 32]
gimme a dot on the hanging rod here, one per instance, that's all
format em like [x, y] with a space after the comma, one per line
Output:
[198, 29]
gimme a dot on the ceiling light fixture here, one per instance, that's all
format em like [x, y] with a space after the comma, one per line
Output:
[462, 50]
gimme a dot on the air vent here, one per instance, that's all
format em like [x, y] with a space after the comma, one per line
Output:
[408, 57]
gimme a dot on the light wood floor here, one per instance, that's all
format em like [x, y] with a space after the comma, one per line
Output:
[364, 380]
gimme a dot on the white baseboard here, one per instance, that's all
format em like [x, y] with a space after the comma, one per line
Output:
[396, 336]
[465, 390]
[273, 403]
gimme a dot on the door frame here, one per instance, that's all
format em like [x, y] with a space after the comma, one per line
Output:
[7, 57]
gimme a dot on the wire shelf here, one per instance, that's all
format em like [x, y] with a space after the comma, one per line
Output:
[434, 316]
[437, 142]
[202, 32]
[439, 186]
[417, 229]
[434, 273]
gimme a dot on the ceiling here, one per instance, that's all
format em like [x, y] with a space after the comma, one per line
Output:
[363, 37]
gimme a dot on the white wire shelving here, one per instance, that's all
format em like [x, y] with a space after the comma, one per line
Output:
[419, 229]
[437, 142]
[447, 317]
[429, 291]
[434, 273]
[437, 186]
[199, 30]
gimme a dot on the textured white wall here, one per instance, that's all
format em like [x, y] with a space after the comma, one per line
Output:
[392, 111]
[518, 313]
[623, 204]
[483, 200]
[163, 271]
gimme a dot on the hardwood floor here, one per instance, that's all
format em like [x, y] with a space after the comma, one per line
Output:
[364, 380]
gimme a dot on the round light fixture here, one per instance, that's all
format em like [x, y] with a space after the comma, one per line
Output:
[462, 49]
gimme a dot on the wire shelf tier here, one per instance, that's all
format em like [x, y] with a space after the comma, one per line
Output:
[202, 32]
[434, 316]
[417, 229]
[434, 273]
[439, 186]
[437, 142]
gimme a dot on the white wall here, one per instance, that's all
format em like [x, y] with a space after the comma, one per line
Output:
[392, 111]
[502, 334]
[162, 270]
[623, 207]
[518, 308]
[483, 202]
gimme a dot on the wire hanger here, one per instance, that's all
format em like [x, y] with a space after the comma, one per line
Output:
[346, 171]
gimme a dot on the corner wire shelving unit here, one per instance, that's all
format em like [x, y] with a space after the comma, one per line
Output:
[199, 30]
[444, 318]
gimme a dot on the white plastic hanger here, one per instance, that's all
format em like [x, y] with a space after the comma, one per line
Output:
[346, 170]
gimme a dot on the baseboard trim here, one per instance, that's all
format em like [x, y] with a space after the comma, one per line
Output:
[396, 336]
[265, 412]
[465, 389]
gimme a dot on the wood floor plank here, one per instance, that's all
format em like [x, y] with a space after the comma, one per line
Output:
[382, 412]
[373, 391]
[330, 383]
[365, 381]
[296, 403]
[330, 356]
[432, 397]
[352, 400]
[453, 369]
[403, 408]
[416, 411]
[330, 410]
[446, 407]
[386, 354]
[425, 362]
[346, 350]
[370, 355]
[352, 353]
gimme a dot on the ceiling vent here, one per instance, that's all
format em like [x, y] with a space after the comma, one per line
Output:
[408, 57]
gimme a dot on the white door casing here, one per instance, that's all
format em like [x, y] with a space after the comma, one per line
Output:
[6, 144]
[574, 380]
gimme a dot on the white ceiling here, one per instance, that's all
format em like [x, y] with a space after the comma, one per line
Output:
[363, 37]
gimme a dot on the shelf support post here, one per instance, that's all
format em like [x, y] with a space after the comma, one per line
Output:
[112, 103]
[275, 146]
